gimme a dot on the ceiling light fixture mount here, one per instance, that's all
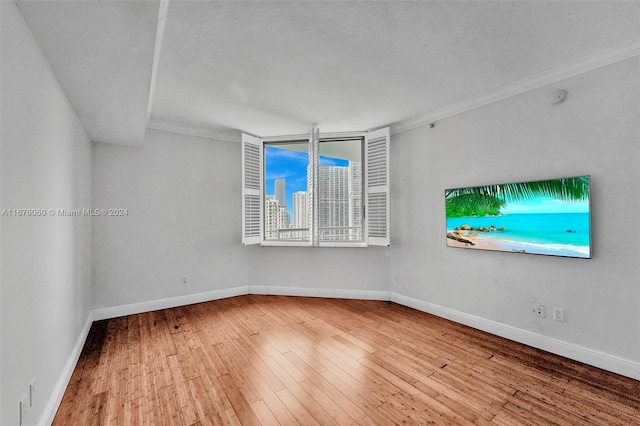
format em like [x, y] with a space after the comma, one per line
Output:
[558, 97]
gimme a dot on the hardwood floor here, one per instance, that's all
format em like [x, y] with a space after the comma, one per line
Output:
[289, 360]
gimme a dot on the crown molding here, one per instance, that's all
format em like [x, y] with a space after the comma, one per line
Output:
[583, 65]
[225, 135]
[588, 63]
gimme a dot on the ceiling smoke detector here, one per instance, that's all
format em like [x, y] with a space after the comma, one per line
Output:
[558, 97]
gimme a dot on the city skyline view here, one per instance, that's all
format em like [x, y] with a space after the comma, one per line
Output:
[286, 203]
[292, 167]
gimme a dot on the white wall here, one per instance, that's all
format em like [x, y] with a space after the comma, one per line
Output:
[321, 271]
[181, 193]
[183, 197]
[596, 132]
[46, 261]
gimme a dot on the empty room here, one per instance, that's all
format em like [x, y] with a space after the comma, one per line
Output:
[306, 212]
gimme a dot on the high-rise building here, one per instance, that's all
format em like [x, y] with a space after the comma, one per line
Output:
[276, 219]
[340, 202]
[300, 210]
[301, 214]
[280, 191]
[333, 202]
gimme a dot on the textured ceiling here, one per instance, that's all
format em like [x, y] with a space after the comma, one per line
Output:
[271, 68]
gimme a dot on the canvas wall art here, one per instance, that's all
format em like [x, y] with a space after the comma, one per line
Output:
[549, 217]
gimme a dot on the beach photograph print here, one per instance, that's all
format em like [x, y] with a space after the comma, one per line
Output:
[549, 217]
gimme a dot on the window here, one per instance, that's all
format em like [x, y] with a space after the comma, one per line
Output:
[324, 190]
[285, 191]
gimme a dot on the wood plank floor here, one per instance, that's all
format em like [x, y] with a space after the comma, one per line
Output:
[289, 360]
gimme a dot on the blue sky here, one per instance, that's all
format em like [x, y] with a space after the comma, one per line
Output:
[291, 166]
[546, 205]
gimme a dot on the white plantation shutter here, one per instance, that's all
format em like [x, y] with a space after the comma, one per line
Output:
[313, 171]
[377, 181]
[251, 190]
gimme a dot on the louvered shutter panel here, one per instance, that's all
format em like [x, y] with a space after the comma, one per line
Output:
[251, 190]
[313, 172]
[377, 181]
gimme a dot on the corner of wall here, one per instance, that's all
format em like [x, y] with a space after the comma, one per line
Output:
[60, 387]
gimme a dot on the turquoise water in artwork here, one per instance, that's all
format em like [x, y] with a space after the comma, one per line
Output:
[560, 234]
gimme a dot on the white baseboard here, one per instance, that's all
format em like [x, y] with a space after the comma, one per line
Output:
[171, 302]
[53, 403]
[320, 292]
[592, 357]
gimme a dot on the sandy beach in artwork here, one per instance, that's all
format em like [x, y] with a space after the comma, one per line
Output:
[473, 242]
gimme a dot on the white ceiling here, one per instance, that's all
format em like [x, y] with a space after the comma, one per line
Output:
[271, 68]
[102, 55]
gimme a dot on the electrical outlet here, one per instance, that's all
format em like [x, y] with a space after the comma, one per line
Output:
[184, 279]
[558, 314]
[538, 310]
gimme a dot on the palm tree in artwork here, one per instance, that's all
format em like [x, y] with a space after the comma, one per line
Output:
[481, 200]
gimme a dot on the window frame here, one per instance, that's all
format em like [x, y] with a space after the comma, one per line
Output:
[314, 139]
[273, 140]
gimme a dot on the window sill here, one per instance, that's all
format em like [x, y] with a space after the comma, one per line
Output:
[360, 244]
